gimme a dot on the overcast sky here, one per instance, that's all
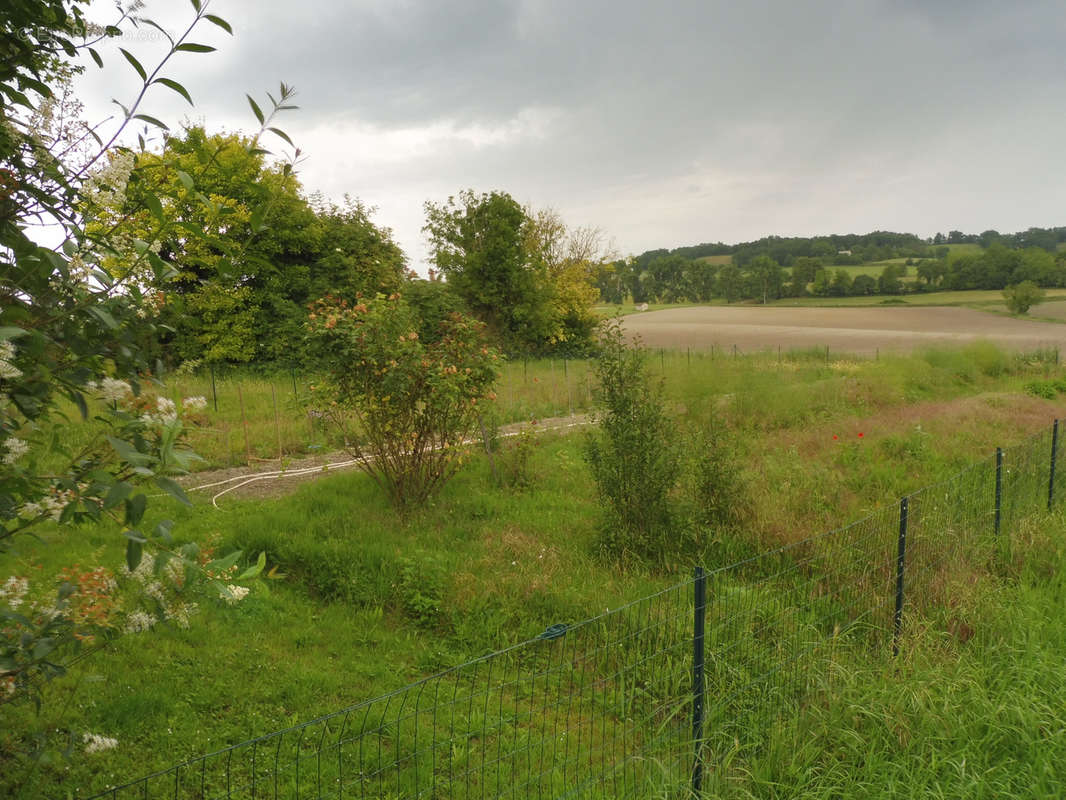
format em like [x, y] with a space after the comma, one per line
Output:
[663, 124]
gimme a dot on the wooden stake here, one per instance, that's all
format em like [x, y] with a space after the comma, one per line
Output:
[244, 422]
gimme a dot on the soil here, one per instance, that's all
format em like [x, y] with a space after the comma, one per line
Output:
[852, 330]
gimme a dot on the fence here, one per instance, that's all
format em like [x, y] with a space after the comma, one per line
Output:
[666, 696]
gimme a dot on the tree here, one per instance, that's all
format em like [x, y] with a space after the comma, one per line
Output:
[1023, 296]
[888, 282]
[766, 278]
[841, 283]
[478, 243]
[864, 285]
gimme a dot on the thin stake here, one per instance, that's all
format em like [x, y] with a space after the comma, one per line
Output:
[1051, 474]
[277, 422]
[244, 422]
[214, 392]
[901, 560]
[999, 490]
[699, 616]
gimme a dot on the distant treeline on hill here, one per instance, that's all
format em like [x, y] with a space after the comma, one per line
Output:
[893, 263]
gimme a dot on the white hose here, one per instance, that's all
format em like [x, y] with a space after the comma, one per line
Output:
[244, 480]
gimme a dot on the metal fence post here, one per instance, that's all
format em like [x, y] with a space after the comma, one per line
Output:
[901, 561]
[999, 490]
[700, 614]
[1051, 473]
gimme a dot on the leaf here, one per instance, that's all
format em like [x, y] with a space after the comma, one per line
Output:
[159, 28]
[173, 489]
[11, 332]
[256, 220]
[104, 317]
[96, 57]
[134, 552]
[177, 87]
[135, 508]
[222, 564]
[220, 22]
[192, 47]
[196, 5]
[256, 109]
[280, 133]
[116, 494]
[256, 569]
[154, 206]
[162, 530]
[151, 121]
[186, 180]
[136, 64]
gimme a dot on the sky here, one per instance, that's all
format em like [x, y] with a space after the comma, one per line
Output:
[663, 124]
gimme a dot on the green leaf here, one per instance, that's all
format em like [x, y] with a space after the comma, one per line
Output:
[220, 22]
[256, 569]
[104, 317]
[136, 64]
[162, 530]
[173, 489]
[280, 133]
[96, 57]
[196, 5]
[154, 206]
[192, 47]
[220, 564]
[134, 552]
[177, 87]
[135, 508]
[256, 220]
[151, 121]
[186, 180]
[256, 109]
[117, 493]
[11, 332]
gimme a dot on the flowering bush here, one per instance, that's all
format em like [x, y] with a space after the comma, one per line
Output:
[416, 402]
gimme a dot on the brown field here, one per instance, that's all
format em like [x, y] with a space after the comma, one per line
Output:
[853, 330]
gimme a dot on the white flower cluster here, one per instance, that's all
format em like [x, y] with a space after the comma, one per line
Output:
[198, 403]
[7, 359]
[111, 390]
[179, 613]
[95, 743]
[7, 685]
[166, 412]
[235, 595]
[107, 186]
[51, 505]
[13, 591]
[139, 621]
[15, 449]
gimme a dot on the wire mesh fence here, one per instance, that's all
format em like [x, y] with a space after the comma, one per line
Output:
[664, 697]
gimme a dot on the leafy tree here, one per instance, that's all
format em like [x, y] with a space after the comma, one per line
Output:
[841, 284]
[864, 285]
[821, 286]
[889, 281]
[416, 401]
[1023, 296]
[766, 278]
[730, 283]
[478, 243]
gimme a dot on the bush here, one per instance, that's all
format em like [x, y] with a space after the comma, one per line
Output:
[1022, 297]
[633, 453]
[416, 401]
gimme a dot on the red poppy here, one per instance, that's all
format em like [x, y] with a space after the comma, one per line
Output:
[860, 435]
[834, 436]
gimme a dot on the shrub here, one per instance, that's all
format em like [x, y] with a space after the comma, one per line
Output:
[633, 453]
[416, 401]
[1023, 296]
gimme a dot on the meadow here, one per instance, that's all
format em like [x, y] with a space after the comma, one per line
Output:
[366, 600]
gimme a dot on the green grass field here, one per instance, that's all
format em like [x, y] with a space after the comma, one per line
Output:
[819, 444]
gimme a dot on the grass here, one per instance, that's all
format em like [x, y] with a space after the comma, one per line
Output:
[371, 601]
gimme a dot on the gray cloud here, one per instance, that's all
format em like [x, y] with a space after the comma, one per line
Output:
[666, 124]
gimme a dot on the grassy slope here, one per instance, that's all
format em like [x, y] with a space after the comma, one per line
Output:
[340, 628]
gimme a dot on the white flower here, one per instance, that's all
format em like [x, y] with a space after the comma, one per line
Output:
[111, 390]
[139, 621]
[236, 594]
[7, 358]
[31, 510]
[168, 412]
[194, 403]
[14, 590]
[180, 614]
[95, 743]
[16, 449]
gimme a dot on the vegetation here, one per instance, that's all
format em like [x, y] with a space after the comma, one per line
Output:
[370, 602]
[415, 397]
[1023, 296]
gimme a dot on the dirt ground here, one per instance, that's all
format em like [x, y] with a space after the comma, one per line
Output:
[852, 330]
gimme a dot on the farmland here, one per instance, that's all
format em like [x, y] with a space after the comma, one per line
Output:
[859, 330]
